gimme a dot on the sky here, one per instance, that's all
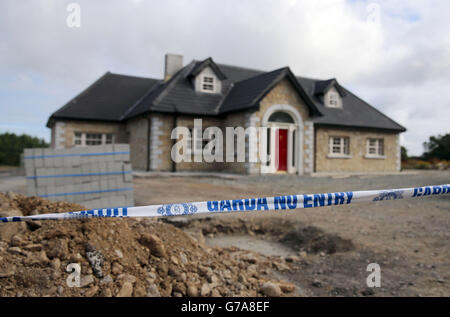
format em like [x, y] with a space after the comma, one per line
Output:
[393, 54]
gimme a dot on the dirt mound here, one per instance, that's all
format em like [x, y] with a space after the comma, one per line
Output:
[35, 205]
[122, 257]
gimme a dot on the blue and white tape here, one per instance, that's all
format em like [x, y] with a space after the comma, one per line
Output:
[287, 202]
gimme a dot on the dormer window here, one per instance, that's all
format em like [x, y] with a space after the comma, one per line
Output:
[333, 99]
[208, 84]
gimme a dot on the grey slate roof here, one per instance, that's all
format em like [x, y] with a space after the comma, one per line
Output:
[355, 112]
[118, 97]
[107, 99]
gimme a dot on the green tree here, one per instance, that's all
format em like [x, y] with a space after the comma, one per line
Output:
[404, 153]
[12, 146]
[438, 147]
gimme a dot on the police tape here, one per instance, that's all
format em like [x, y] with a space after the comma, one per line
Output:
[287, 202]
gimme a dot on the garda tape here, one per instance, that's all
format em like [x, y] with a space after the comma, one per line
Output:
[287, 202]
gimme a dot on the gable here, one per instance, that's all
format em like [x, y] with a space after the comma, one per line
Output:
[284, 93]
[209, 72]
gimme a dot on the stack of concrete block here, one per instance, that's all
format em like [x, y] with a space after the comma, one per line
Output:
[93, 176]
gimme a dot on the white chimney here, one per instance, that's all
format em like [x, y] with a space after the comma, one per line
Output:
[173, 63]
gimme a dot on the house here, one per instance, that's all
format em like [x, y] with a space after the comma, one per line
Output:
[313, 125]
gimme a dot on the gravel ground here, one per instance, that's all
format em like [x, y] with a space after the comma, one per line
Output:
[409, 239]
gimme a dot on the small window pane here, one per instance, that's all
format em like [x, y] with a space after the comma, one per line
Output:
[280, 116]
[109, 138]
[381, 147]
[208, 83]
[78, 136]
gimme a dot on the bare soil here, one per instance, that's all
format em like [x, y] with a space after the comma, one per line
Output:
[307, 252]
[123, 257]
[409, 239]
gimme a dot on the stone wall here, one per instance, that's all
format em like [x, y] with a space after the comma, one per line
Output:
[236, 119]
[137, 129]
[285, 94]
[160, 142]
[63, 132]
[357, 161]
[188, 121]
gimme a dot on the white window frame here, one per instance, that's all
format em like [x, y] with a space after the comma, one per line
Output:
[211, 83]
[377, 145]
[333, 100]
[82, 138]
[344, 149]
[78, 137]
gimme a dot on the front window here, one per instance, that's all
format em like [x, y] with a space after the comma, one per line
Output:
[93, 138]
[375, 147]
[89, 139]
[339, 146]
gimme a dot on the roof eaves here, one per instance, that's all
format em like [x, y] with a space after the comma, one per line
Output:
[359, 126]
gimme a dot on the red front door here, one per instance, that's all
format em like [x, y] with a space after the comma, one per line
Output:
[282, 149]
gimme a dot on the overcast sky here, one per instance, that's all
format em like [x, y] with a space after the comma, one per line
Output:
[394, 54]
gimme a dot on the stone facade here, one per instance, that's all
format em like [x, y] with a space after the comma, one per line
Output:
[63, 132]
[160, 142]
[357, 161]
[188, 121]
[137, 129]
[150, 140]
[284, 94]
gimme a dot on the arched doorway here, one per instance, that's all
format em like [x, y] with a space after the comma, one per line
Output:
[283, 140]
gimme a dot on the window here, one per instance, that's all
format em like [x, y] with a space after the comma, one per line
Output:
[333, 100]
[78, 138]
[93, 138]
[208, 84]
[281, 117]
[87, 139]
[339, 146]
[109, 138]
[375, 147]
